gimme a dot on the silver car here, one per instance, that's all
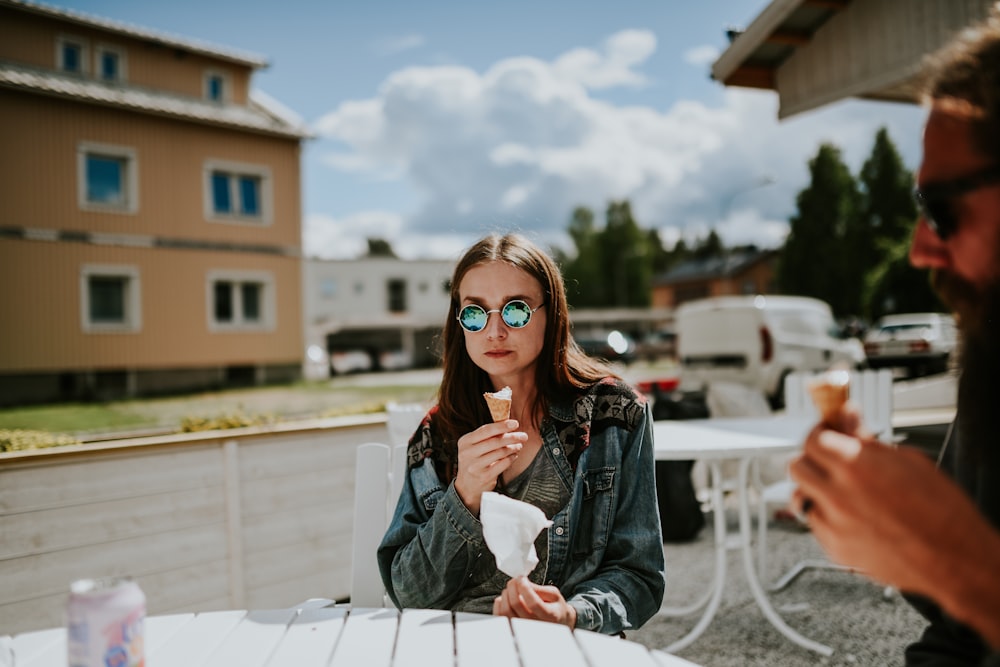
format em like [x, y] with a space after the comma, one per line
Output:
[921, 343]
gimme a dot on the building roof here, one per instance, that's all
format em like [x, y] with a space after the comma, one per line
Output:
[756, 52]
[816, 52]
[732, 264]
[137, 32]
[259, 115]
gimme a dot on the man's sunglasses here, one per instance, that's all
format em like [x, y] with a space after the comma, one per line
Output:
[936, 200]
[515, 314]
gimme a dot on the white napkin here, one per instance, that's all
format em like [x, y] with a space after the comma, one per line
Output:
[510, 528]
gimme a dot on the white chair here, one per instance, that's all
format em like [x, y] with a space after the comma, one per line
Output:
[379, 471]
[872, 391]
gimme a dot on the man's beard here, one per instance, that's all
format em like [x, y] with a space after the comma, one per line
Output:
[977, 310]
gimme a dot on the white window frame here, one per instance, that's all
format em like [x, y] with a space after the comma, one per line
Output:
[133, 298]
[99, 52]
[262, 172]
[131, 175]
[227, 86]
[268, 300]
[61, 41]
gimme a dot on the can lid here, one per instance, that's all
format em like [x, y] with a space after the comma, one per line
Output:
[98, 585]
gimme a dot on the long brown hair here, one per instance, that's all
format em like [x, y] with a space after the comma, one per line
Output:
[563, 370]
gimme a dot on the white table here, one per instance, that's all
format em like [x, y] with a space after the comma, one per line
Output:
[742, 439]
[331, 636]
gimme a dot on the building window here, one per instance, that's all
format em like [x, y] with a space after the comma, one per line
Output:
[396, 288]
[238, 193]
[108, 179]
[328, 288]
[109, 64]
[240, 301]
[71, 55]
[110, 299]
[216, 87]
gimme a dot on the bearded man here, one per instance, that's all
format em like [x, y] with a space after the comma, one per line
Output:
[933, 531]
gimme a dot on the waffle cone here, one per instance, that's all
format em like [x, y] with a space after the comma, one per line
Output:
[499, 407]
[828, 395]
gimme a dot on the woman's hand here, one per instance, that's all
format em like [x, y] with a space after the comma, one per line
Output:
[483, 456]
[523, 599]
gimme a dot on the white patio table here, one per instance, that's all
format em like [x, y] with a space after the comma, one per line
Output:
[712, 441]
[337, 636]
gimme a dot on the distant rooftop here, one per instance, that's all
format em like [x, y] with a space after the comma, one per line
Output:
[258, 115]
[166, 39]
[733, 263]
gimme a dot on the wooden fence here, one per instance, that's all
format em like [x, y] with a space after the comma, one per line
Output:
[246, 518]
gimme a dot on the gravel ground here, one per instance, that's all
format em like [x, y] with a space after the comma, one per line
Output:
[861, 622]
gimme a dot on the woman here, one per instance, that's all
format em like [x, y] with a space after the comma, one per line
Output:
[578, 445]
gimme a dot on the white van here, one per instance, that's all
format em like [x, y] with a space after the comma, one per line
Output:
[757, 341]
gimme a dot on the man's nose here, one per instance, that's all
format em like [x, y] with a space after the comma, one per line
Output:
[927, 250]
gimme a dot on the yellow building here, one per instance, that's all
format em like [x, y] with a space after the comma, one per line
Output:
[149, 213]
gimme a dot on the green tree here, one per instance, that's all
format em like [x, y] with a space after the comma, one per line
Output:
[895, 286]
[709, 247]
[380, 248]
[585, 287]
[813, 261]
[613, 265]
[888, 214]
[623, 247]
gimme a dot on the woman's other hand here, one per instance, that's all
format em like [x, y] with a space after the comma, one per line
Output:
[483, 456]
[523, 599]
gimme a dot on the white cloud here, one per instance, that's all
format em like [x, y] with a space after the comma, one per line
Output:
[523, 143]
[614, 67]
[701, 55]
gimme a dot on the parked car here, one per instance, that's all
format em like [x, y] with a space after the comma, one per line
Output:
[609, 345]
[922, 343]
[657, 344]
[757, 341]
[350, 361]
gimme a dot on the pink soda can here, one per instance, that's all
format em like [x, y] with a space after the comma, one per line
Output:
[105, 623]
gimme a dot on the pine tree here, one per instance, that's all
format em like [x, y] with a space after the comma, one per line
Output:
[813, 261]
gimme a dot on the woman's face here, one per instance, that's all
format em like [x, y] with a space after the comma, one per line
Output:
[506, 354]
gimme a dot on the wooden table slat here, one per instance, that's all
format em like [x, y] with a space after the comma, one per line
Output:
[426, 637]
[310, 638]
[52, 655]
[30, 645]
[545, 644]
[254, 639]
[608, 650]
[367, 638]
[485, 641]
[195, 640]
[668, 660]
[159, 629]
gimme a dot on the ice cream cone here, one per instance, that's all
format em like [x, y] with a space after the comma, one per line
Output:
[829, 392]
[499, 404]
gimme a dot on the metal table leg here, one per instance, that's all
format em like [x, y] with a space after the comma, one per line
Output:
[751, 573]
[713, 596]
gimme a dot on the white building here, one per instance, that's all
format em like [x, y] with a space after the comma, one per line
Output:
[390, 310]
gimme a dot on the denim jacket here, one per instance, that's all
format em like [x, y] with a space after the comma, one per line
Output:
[605, 550]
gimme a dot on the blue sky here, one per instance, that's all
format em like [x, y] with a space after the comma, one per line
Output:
[438, 121]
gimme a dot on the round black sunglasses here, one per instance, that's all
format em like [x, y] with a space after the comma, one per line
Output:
[936, 201]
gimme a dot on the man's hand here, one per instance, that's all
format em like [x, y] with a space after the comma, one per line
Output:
[891, 514]
[523, 599]
[483, 455]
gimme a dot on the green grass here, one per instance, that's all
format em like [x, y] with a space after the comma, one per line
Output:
[284, 402]
[70, 418]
